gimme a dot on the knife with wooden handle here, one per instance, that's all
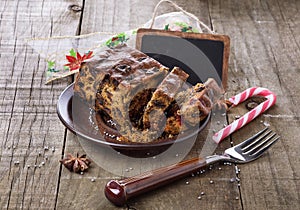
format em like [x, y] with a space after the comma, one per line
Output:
[119, 191]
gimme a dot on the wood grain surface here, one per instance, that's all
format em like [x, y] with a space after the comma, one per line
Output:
[265, 51]
[28, 107]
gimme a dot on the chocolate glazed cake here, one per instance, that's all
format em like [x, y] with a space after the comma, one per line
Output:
[137, 99]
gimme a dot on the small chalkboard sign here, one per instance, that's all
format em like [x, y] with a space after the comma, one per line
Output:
[202, 56]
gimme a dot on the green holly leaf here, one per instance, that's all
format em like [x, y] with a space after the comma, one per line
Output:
[184, 29]
[166, 27]
[121, 37]
[51, 64]
[72, 53]
[194, 30]
[108, 42]
[116, 40]
[181, 24]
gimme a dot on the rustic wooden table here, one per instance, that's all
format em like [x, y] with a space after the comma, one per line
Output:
[265, 40]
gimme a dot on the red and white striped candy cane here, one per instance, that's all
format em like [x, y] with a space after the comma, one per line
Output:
[249, 116]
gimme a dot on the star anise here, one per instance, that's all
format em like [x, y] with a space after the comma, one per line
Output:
[76, 164]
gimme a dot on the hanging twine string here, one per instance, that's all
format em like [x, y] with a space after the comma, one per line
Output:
[183, 11]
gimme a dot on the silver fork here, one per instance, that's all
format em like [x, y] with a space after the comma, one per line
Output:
[250, 149]
[119, 191]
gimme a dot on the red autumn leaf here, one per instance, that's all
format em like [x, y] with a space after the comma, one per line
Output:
[71, 59]
[88, 56]
[75, 63]
[73, 66]
[79, 58]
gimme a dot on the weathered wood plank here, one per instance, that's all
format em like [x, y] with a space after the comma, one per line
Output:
[82, 191]
[29, 172]
[28, 119]
[265, 52]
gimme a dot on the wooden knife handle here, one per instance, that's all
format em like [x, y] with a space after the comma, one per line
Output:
[119, 191]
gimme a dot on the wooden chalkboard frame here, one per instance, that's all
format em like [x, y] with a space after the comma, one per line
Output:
[187, 35]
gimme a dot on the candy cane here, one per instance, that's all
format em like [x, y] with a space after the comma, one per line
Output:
[249, 116]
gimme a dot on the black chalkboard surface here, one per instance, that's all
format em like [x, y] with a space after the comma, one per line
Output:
[202, 56]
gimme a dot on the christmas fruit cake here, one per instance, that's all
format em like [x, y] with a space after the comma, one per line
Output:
[137, 99]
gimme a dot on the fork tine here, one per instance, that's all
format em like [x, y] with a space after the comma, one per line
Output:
[256, 140]
[251, 139]
[253, 147]
[259, 143]
[263, 149]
